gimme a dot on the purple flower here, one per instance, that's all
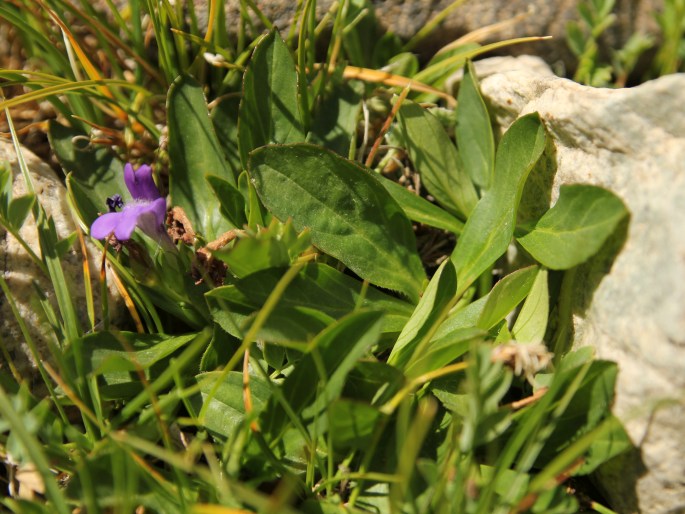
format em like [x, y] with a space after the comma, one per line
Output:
[146, 211]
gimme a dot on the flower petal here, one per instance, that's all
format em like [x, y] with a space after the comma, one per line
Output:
[140, 182]
[128, 220]
[158, 207]
[105, 225]
[130, 177]
[151, 218]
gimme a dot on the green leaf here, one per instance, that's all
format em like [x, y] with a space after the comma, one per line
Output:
[66, 244]
[49, 241]
[274, 355]
[444, 64]
[531, 322]
[535, 423]
[351, 424]
[274, 247]
[19, 209]
[474, 132]
[194, 153]
[255, 210]
[226, 410]
[575, 38]
[610, 442]
[93, 171]
[250, 255]
[289, 326]
[506, 295]
[435, 157]
[463, 318]
[490, 227]
[231, 202]
[108, 352]
[332, 355]
[373, 382]
[435, 299]
[590, 404]
[219, 350]
[421, 210]
[165, 372]
[501, 332]
[269, 110]
[360, 36]
[444, 390]
[5, 186]
[99, 476]
[225, 120]
[335, 124]
[118, 357]
[83, 201]
[405, 64]
[352, 217]
[488, 382]
[319, 287]
[369, 325]
[556, 501]
[575, 228]
[442, 351]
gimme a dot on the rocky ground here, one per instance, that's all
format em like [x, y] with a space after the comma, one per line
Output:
[630, 302]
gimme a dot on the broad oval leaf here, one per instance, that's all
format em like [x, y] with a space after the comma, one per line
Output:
[435, 157]
[225, 412]
[490, 227]
[194, 153]
[269, 111]
[349, 213]
[575, 228]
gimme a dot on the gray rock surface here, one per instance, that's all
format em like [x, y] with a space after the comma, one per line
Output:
[21, 273]
[629, 300]
[406, 17]
[542, 18]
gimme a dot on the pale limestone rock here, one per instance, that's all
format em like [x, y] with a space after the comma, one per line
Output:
[630, 299]
[21, 273]
[504, 64]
